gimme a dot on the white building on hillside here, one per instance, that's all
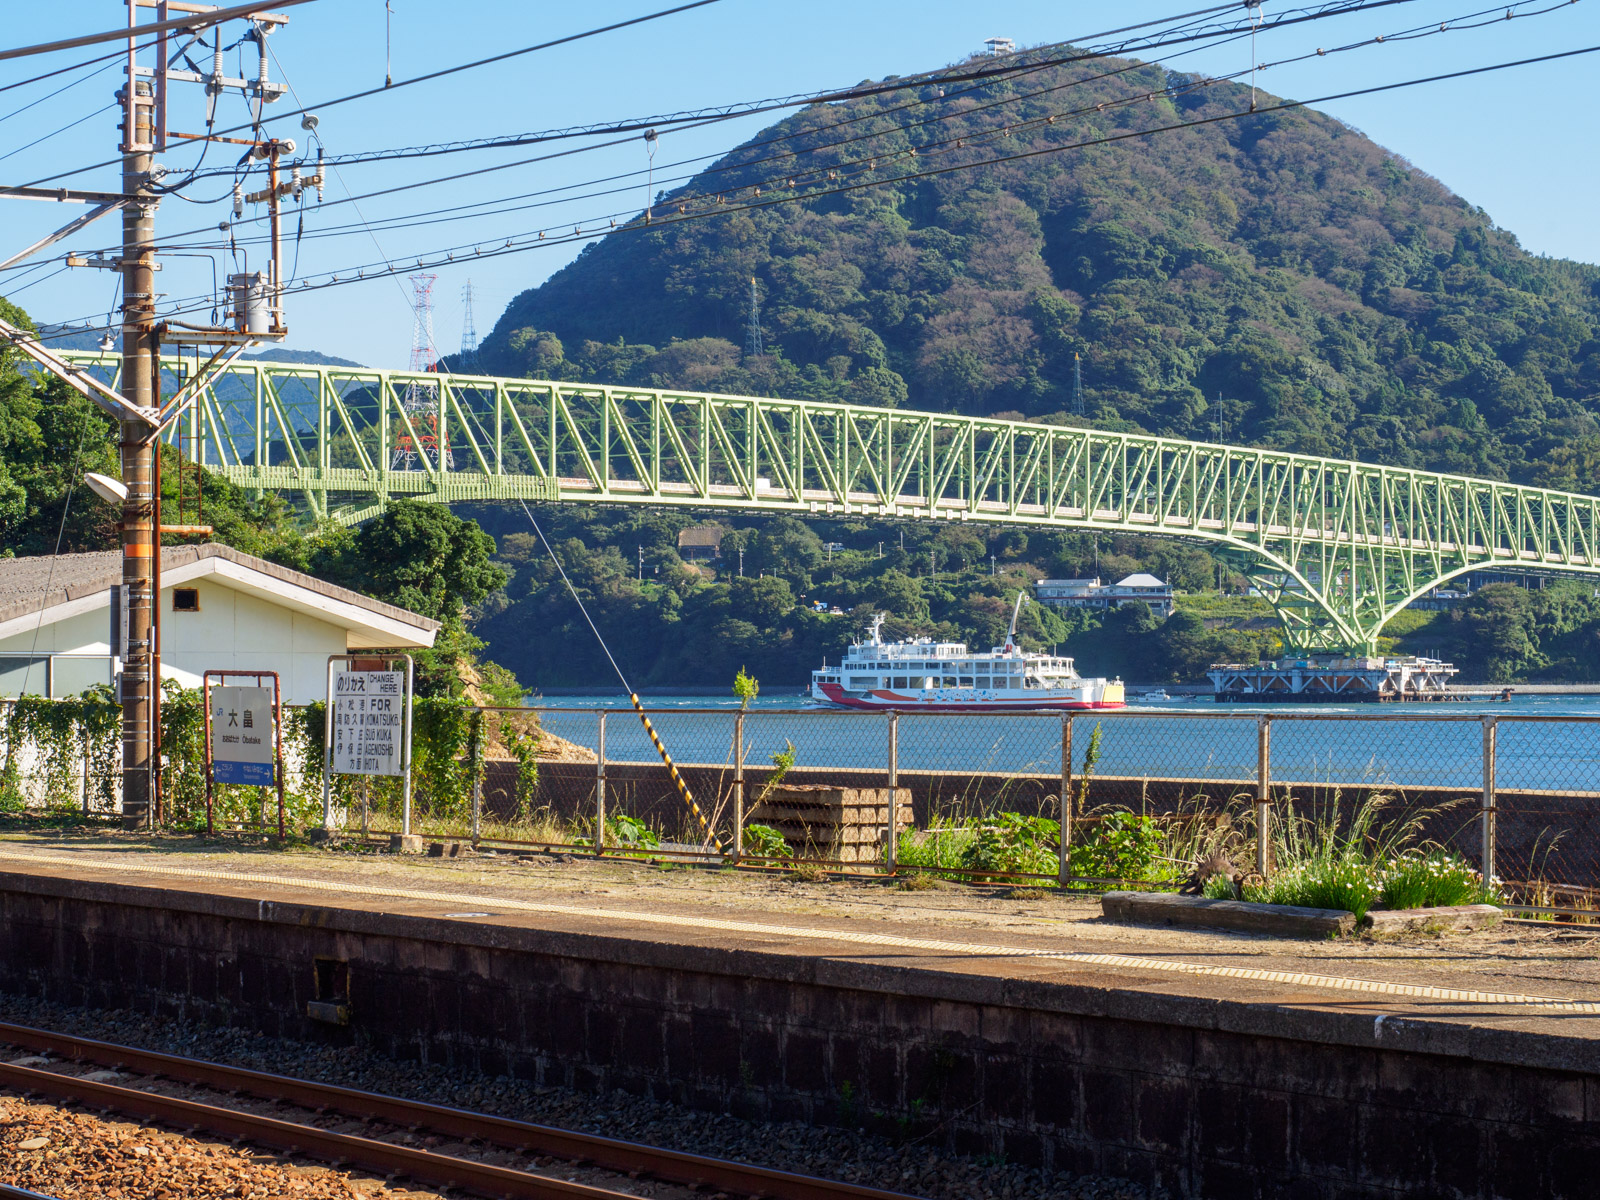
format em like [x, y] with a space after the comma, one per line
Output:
[1089, 593]
[220, 610]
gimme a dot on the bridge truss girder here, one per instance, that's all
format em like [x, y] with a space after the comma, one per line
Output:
[1339, 547]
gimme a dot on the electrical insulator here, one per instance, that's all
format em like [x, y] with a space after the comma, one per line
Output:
[238, 201]
[319, 174]
[294, 181]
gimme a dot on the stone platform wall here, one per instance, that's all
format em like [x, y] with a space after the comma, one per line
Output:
[1207, 1098]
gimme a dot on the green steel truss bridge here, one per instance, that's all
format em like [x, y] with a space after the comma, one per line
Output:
[1339, 547]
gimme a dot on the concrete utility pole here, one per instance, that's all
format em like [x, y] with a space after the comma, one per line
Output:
[140, 544]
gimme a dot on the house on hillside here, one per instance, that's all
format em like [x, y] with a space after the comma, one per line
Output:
[60, 620]
[1090, 593]
[703, 543]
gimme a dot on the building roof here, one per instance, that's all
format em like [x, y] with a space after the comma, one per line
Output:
[1081, 583]
[29, 585]
[1141, 580]
[701, 535]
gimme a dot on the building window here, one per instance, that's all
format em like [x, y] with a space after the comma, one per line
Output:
[185, 600]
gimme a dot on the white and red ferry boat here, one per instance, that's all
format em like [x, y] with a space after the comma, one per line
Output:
[921, 675]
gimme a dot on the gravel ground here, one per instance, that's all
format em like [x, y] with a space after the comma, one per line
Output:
[69, 1154]
[90, 1157]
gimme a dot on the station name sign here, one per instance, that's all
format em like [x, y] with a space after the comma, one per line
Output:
[242, 741]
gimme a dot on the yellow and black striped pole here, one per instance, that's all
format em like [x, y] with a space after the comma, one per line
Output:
[672, 769]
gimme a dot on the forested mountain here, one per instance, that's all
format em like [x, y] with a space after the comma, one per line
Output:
[1338, 301]
[1280, 273]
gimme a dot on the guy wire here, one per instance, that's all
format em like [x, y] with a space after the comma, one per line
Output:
[672, 768]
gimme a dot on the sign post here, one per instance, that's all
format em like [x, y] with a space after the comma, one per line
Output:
[367, 727]
[244, 736]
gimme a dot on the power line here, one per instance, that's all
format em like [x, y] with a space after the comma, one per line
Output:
[415, 220]
[761, 203]
[190, 21]
[482, 62]
[70, 125]
[1022, 62]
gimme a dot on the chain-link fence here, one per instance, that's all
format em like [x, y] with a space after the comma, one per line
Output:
[969, 795]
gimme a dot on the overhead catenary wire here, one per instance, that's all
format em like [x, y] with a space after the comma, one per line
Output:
[633, 696]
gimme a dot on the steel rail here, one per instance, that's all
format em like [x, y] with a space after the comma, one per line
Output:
[345, 1149]
[608, 1153]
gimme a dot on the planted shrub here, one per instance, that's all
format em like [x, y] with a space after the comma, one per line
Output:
[764, 841]
[631, 833]
[1121, 845]
[1346, 883]
[1434, 879]
[1009, 842]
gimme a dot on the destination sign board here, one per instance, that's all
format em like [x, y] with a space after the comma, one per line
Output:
[242, 736]
[369, 725]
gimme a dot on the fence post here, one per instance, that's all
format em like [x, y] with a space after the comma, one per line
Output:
[475, 765]
[738, 786]
[894, 791]
[1064, 850]
[1490, 730]
[600, 789]
[1263, 798]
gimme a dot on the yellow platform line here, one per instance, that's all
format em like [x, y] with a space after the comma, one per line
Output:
[1372, 987]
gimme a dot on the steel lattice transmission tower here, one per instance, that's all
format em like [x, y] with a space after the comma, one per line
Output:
[753, 343]
[422, 399]
[468, 359]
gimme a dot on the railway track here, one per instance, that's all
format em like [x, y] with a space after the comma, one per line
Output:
[381, 1118]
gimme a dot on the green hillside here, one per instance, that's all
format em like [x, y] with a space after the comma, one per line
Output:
[1339, 301]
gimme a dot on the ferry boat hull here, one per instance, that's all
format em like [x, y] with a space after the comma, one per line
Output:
[886, 700]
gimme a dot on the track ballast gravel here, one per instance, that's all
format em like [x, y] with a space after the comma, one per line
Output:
[198, 1169]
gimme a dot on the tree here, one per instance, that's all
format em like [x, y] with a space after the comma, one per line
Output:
[423, 557]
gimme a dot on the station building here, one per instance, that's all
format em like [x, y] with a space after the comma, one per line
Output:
[61, 617]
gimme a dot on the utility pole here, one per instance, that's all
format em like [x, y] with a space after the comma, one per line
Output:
[137, 408]
[1077, 384]
[991, 566]
[140, 361]
[641, 564]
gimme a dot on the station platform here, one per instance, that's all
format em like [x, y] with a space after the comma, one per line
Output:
[998, 1021]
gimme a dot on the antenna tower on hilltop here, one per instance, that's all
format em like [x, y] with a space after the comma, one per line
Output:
[468, 359]
[753, 345]
[421, 400]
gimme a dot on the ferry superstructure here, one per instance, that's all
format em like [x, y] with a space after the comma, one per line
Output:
[921, 675]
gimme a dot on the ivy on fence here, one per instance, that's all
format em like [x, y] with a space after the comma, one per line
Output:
[61, 754]
[65, 754]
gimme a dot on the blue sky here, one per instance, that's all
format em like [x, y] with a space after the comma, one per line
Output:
[1523, 144]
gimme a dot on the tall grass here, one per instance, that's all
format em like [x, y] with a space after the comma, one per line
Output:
[1327, 860]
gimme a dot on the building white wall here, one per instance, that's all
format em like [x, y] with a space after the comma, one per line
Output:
[232, 631]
